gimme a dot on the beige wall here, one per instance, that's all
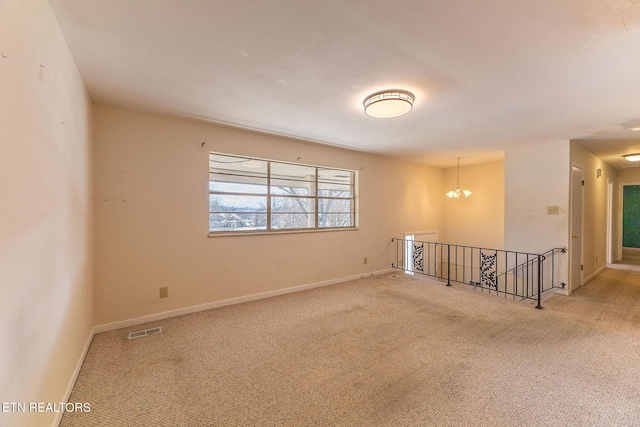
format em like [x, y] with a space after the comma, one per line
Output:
[631, 175]
[537, 177]
[595, 205]
[151, 216]
[46, 212]
[479, 219]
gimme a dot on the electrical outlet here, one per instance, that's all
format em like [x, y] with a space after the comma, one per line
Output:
[552, 210]
[164, 292]
[365, 261]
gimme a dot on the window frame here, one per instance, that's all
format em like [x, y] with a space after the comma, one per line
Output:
[316, 199]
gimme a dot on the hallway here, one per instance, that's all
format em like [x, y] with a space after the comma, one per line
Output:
[630, 260]
[611, 299]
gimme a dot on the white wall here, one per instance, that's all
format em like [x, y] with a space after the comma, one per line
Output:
[45, 211]
[151, 216]
[537, 177]
[479, 219]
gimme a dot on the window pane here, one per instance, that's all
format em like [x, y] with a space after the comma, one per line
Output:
[335, 190]
[223, 164]
[231, 174]
[293, 179]
[335, 183]
[292, 220]
[237, 221]
[244, 204]
[335, 176]
[328, 220]
[293, 205]
[293, 172]
[292, 212]
[293, 188]
[237, 184]
[335, 205]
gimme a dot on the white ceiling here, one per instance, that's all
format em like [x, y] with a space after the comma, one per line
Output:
[487, 74]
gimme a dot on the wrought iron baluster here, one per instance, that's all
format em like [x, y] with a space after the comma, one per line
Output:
[535, 279]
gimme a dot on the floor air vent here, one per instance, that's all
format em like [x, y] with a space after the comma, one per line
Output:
[144, 333]
[394, 276]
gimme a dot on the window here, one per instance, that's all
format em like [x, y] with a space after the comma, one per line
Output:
[256, 195]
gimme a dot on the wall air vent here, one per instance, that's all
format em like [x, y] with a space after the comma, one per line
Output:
[145, 333]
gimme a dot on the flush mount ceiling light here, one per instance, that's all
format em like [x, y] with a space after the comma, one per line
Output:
[457, 193]
[388, 103]
[632, 157]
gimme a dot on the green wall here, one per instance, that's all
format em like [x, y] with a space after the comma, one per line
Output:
[631, 216]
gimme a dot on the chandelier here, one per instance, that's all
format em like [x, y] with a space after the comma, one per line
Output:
[457, 192]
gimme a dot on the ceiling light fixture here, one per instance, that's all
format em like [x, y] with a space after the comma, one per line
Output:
[632, 157]
[455, 194]
[388, 103]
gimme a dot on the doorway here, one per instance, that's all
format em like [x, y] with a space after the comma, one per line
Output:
[631, 216]
[418, 258]
[575, 244]
[630, 241]
[610, 257]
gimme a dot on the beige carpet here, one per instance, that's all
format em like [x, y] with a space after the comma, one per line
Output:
[378, 352]
[630, 260]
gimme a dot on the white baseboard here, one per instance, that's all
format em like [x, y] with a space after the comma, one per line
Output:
[74, 377]
[636, 250]
[624, 267]
[592, 276]
[231, 301]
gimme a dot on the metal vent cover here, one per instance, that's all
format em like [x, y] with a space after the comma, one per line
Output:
[145, 332]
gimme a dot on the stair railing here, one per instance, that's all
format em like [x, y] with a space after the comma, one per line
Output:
[507, 273]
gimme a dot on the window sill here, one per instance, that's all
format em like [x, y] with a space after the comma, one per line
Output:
[266, 233]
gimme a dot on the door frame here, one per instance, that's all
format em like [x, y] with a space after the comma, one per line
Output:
[621, 186]
[610, 211]
[575, 283]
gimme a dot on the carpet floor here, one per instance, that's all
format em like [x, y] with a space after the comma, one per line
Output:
[378, 352]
